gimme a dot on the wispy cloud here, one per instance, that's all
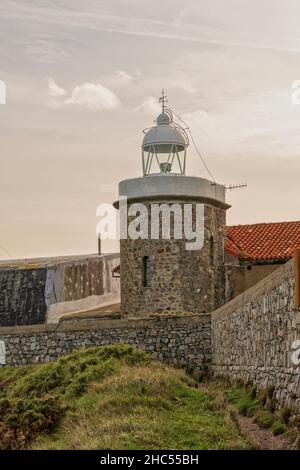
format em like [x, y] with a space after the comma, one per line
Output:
[54, 89]
[268, 126]
[184, 85]
[173, 29]
[91, 96]
[149, 106]
[94, 97]
[124, 76]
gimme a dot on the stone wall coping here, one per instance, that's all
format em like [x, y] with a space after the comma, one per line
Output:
[266, 285]
[176, 199]
[94, 323]
[54, 261]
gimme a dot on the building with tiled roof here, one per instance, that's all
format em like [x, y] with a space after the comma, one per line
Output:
[254, 251]
[264, 242]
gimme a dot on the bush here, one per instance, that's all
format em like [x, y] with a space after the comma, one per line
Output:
[266, 397]
[241, 398]
[264, 419]
[285, 414]
[279, 428]
[35, 401]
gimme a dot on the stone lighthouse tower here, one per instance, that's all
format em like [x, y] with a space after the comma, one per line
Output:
[172, 230]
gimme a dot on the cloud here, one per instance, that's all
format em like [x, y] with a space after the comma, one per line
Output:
[150, 106]
[94, 97]
[186, 86]
[268, 126]
[183, 27]
[124, 76]
[91, 96]
[54, 89]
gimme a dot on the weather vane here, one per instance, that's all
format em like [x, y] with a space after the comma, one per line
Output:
[163, 99]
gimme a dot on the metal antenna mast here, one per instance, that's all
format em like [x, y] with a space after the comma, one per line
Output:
[163, 100]
[232, 187]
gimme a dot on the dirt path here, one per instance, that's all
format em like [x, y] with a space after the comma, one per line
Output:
[262, 438]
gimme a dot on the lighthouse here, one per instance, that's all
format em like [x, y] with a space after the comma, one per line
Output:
[173, 262]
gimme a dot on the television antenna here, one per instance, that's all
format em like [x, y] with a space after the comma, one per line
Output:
[233, 187]
[163, 100]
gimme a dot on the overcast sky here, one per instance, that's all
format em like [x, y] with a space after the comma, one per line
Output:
[83, 78]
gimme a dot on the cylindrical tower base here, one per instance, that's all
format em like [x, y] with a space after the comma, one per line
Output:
[161, 275]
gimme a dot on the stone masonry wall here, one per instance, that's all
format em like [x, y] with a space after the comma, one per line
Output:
[180, 280]
[252, 338]
[181, 341]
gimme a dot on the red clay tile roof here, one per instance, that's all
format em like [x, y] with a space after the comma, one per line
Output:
[232, 247]
[262, 242]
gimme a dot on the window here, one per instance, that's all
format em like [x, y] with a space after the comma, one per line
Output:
[211, 250]
[146, 271]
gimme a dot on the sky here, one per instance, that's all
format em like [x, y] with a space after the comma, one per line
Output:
[83, 78]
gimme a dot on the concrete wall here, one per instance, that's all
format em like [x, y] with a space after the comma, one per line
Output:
[165, 186]
[181, 341]
[252, 337]
[80, 277]
[30, 289]
[82, 284]
[22, 296]
[240, 278]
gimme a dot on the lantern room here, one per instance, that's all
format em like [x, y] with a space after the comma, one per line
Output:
[164, 145]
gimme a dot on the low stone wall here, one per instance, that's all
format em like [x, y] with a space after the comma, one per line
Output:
[181, 341]
[252, 337]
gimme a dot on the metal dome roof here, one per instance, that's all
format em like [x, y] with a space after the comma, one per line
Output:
[165, 118]
[162, 137]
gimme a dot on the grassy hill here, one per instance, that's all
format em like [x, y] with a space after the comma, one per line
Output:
[112, 397]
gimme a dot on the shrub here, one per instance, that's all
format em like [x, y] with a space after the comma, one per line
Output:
[266, 397]
[264, 419]
[279, 428]
[35, 401]
[240, 397]
[285, 414]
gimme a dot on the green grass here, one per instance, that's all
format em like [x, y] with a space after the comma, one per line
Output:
[243, 399]
[278, 427]
[265, 419]
[246, 403]
[112, 397]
